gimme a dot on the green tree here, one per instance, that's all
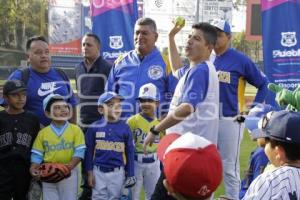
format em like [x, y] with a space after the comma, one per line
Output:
[21, 19]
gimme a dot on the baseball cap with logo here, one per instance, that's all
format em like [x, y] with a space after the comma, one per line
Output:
[282, 126]
[149, 91]
[255, 114]
[106, 96]
[222, 25]
[192, 164]
[49, 98]
[13, 86]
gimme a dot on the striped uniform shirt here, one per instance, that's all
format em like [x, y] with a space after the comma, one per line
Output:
[281, 183]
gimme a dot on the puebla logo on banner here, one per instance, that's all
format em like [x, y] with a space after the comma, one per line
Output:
[288, 39]
[116, 42]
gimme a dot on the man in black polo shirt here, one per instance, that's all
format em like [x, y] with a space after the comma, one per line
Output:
[91, 75]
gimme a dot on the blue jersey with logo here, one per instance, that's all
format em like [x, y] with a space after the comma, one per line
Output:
[234, 69]
[130, 73]
[257, 163]
[110, 145]
[40, 85]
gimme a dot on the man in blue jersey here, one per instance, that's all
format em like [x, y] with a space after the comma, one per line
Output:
[145, 64]
[195, 103]
[234, 69]
[43, 79]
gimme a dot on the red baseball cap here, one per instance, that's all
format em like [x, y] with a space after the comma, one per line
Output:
[192, 164]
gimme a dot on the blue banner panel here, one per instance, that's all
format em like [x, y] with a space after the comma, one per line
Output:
[281, 43]
[113, 22]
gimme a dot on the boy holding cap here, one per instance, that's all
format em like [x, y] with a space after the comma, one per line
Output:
[18, 129]
[110, 150]
[59, 142]
[146, 167]
[281, 130]
[192, 166]
[234, 70]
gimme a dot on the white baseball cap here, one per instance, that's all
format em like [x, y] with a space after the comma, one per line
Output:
[222, 25]
[149, 91]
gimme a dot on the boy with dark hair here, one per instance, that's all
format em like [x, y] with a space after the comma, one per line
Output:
[282, 148]
[147, 169]
[60, 142]
[18, 129]
[110, 151]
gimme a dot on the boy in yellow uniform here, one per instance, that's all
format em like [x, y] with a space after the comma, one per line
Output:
[60, 142]
[146, 167]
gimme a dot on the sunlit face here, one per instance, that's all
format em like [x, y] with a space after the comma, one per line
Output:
[59, 111]
[197, 49]
[144, 39]
[39, 55]
[112, 109]
[271, 154]
[16, 100]
[90, 48]
[222, 41]
[148, 107]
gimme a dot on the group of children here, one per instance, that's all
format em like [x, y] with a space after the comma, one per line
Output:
[111, 148]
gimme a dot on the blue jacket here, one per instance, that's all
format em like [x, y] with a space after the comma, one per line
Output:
[130, 72]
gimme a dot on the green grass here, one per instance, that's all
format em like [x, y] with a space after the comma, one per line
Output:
[247, 146]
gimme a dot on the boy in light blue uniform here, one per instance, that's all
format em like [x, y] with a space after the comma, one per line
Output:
[110, 151]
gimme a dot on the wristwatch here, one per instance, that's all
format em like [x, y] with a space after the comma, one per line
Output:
[152, 130]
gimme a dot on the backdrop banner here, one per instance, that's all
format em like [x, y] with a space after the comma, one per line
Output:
[113, 22]
[281, 43]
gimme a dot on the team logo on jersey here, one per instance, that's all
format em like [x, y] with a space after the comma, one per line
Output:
[116, 42]
[288, 39]
[155, 72]
[224, 77]
[100, 134]
[47, 88]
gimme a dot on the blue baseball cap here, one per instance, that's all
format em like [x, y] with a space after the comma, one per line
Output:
[222, 25]
[47, 100]
[255, 115]
[106, 96]
[282, 126]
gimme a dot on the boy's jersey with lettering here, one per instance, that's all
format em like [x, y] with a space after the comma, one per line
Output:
[58, 149]
[17, 133]
[280, 184]
[110, 145]
[140, 126]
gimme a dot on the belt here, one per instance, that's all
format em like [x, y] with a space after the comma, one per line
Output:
[107, 169]
[149, 158]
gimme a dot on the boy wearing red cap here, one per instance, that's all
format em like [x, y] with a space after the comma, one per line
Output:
[192, 166]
